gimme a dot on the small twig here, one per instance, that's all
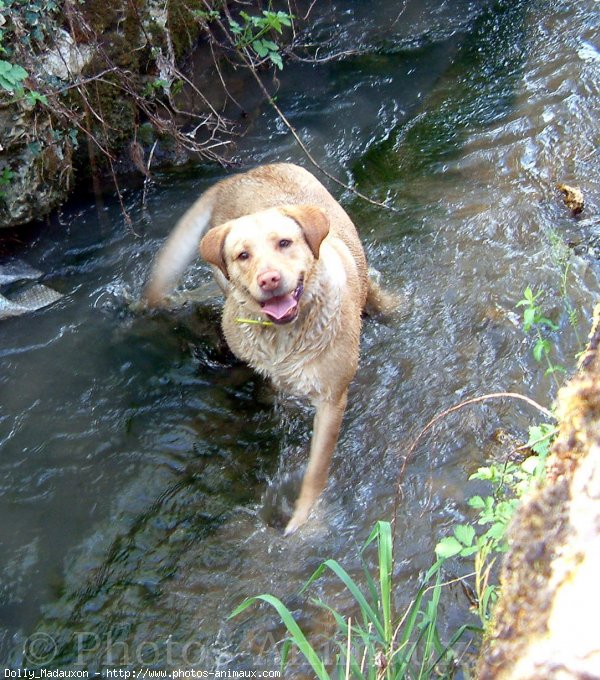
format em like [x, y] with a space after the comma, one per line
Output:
[85, 81]
[348, 647]
[312, 4]
[399, 15]
[530, 445]
[220, 74]
[249, 63]
[336, 56]
[303, 146]
[452, 409]
[148, 177]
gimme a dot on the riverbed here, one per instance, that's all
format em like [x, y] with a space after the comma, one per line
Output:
[145, 475]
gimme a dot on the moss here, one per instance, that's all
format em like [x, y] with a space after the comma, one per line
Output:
[119, 115]
[108, 15]
[122, 37]
[536, 534]
[146, 134]
[538, 630]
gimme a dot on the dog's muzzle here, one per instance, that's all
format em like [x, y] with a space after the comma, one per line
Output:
[283, 309]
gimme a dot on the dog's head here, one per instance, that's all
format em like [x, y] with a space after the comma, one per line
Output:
[268, 256]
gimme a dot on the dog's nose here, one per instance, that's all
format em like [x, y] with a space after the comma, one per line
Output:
[269, 280]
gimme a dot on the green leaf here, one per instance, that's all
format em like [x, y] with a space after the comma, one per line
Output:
[541, 348]
[555, 368]
[448, 547]
[275, 57]
[260, 48]
[487, 474]
[272, 20]
[541, 437]
[234, 27]
[544, 321]
[347, 580]
[490, 595]
[298, 636]
[467, 552]
[497, 530]
[285, 19]
[18, 73]
[33, 97]
[476, 502]
[270, 45]
[465, 534]
[528, 318]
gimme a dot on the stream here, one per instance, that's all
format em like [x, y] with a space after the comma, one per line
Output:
[145, 475]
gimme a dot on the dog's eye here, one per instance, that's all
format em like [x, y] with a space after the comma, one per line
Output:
[285, 243]
[244, 255]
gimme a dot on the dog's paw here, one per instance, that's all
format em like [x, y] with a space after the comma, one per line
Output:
[299, 518]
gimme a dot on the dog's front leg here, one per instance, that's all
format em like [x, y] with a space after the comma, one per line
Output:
[326, 429]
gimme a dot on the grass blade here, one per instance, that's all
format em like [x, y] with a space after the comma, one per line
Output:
[346, 579]
[298, 637]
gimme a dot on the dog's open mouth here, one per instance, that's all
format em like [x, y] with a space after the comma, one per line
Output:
[283, 308]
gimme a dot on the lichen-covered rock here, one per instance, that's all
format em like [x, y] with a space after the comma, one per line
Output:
[66, 60]
[35, 163]
[86, 95]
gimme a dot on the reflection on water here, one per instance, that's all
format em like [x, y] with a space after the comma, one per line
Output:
[145, 473]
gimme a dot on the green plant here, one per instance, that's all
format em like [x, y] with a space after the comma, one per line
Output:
[509, 481]
[252, 33]
[23, 24]
[206, 15]
[561, 256]
[158, 85]
[34, 97]
[11, 76]
[376, 645]
[6, 177]
[534, 318]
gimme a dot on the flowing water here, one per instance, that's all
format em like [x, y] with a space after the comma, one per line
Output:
[145, 475]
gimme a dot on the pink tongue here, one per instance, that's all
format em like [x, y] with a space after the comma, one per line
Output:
[278, 307]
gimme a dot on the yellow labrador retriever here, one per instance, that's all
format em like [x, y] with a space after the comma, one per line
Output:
[294, 275]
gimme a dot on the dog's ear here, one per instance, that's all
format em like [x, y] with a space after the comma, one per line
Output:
[314, 223]
[211, 247]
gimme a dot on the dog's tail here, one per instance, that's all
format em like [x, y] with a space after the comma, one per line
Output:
[380, 302]
[179, 250]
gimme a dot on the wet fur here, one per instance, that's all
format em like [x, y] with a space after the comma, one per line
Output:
[316, 355]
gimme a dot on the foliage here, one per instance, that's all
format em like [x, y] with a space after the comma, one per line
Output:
[5, 179]
[509, 482]
[28, 25]
[561, 256]
[32, 18]
[376, 645]
[534, 318]
[257, 33]
[252, 33]
[11, 76]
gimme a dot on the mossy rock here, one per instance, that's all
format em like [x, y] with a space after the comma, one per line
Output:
[38, 170]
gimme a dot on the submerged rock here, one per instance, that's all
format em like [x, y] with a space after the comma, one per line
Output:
[27, 298]
[17, 270]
